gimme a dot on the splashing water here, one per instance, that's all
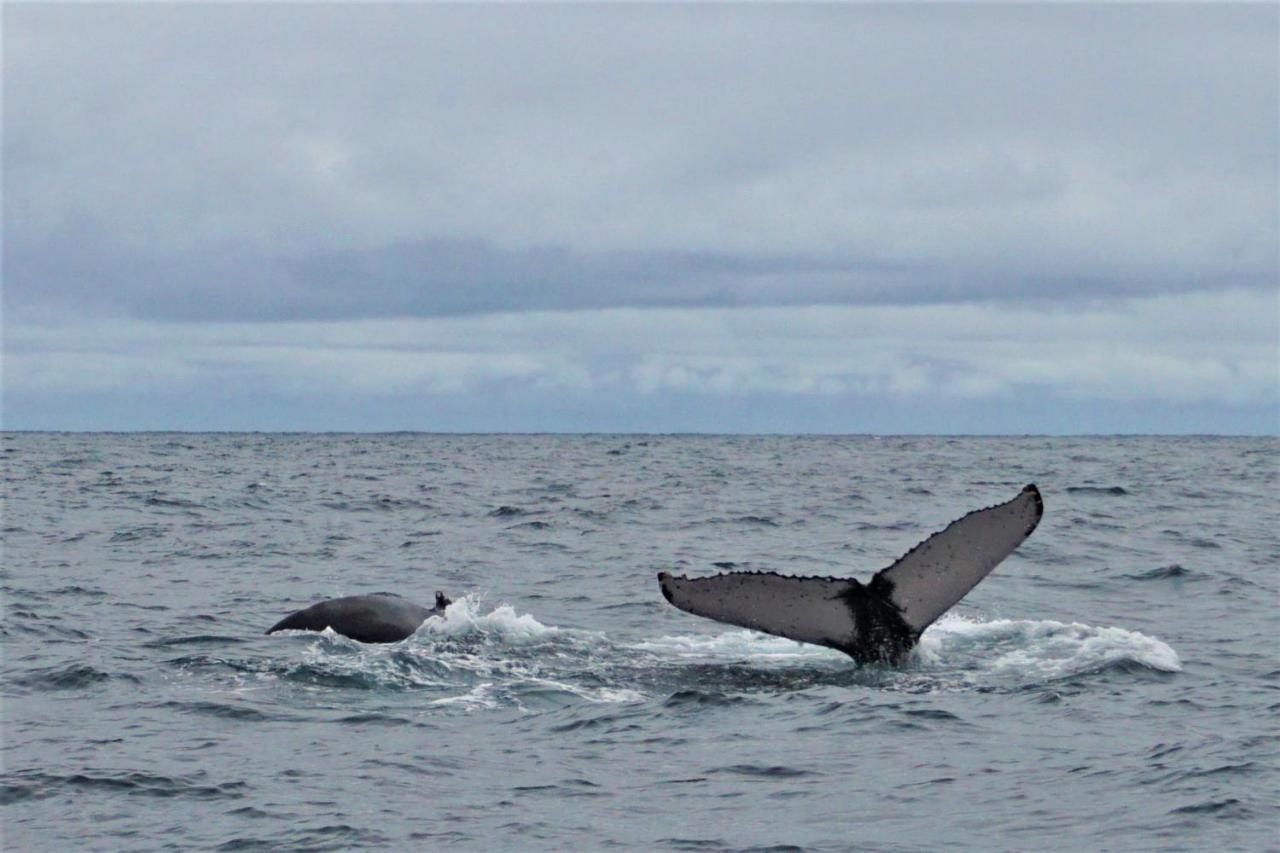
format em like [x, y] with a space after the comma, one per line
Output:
[464, 618]
[497, 656]
[1039, 651]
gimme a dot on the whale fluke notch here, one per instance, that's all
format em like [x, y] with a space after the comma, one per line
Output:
[379, 618]
[875, 622]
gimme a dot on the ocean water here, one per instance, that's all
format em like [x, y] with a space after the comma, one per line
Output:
[1113, 685]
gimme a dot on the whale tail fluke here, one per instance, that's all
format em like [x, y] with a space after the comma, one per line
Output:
[879, 621]
[932, 577]
[810, 610]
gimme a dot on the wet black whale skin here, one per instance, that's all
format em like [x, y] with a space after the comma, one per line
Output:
[379, 618]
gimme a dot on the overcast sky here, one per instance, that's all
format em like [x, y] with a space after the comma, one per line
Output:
[782, 218]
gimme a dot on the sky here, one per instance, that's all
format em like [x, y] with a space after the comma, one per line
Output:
[659, 218]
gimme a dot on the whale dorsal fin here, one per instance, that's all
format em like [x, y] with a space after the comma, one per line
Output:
[930, 578]
[882, 619]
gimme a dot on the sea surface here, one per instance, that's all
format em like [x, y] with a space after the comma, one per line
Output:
[1115, 684]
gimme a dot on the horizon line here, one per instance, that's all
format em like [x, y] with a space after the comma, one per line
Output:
[646, 434]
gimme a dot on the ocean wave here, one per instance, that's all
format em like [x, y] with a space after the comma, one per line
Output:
[1169, 572]
[1223, 807]
[71, 677]
[136, 534]
[193, 640]
[698, 699]
[771, 771]
[34, 784]
[1097, 490]
[225, 711]
[158, 500]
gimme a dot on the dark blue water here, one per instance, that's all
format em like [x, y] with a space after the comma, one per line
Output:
[1115, 684]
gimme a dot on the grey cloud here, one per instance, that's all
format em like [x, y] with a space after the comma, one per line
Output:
[993, 142]
[88, 274]
[1023, 205]
[231, 282]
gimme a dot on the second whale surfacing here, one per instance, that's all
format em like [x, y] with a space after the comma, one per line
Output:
[378, 618]
[877, 622]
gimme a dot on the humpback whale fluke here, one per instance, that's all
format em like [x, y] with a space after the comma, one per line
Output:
[879, 621]
[378, 618]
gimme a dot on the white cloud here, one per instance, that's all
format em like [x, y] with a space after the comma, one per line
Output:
[1206, 348]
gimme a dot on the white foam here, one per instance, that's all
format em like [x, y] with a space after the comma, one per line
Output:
[956, 652]
[599, 695]
[464, 618]
[340, 655]
[1026, 650]
[736, 645]
[614, 695]
[477, 698]
[1041, 649]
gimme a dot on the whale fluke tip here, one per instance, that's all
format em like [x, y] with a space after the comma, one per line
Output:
[1030, 488]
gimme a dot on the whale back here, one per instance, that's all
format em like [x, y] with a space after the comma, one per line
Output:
[379, 618]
